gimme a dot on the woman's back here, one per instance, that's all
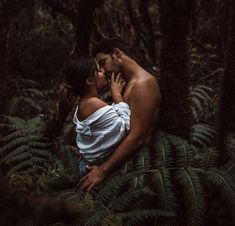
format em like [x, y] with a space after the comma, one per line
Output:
[100, 127]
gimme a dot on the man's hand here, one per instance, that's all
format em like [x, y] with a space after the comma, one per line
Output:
[94, 177]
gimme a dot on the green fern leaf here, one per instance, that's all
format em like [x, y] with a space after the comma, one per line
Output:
[193, 195]
[161, 184]
[224, 184]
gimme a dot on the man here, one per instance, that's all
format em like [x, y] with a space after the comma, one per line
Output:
[142, 94]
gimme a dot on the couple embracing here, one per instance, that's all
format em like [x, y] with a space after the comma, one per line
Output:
[108, 135]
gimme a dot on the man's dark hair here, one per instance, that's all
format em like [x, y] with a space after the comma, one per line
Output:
[76, 72]
[108, 45]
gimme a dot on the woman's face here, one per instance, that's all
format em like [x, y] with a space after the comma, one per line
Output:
[100, 78]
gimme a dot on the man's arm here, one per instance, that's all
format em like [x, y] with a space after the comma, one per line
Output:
[144, 100]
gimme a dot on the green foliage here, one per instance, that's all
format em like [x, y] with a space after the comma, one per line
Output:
[202, 102]
[109, 204]
[224, 185]
[194, 202]
[24, 149]
[26, 99]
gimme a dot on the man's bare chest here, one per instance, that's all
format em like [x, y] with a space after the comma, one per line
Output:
[127, 93]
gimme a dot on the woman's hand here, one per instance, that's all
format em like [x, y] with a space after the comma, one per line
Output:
[116, 87]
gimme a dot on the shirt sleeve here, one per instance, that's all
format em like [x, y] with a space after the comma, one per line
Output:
[124, 113]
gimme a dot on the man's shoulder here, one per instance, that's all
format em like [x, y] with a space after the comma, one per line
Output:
[146, 80]
[146, 86]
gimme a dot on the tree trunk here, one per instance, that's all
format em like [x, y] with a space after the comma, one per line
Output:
[175, 21]
[81, 17]
[85, 24]
[226, 117]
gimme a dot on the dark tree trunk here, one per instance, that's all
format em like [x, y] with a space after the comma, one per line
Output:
[227, 100]
[81, 17]
[84, 24]
[175, 22]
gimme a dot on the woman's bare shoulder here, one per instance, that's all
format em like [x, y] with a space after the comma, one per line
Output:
[89, 106]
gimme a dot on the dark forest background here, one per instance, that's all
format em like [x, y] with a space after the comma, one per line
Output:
[187, 175]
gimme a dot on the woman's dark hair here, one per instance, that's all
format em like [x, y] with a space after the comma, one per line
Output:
[76, 72]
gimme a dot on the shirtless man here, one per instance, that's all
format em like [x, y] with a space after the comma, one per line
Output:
[142, 94]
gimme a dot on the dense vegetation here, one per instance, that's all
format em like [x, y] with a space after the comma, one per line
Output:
[186, 177]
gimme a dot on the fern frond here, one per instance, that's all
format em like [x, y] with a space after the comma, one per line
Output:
[25, 147]
[229, 167]
[40, 152]
[142, 159]
[73, 196]
[36, 159]
[162, 151]
[113, 185]
[96, 217]
[193, 195]
[138, 216]
[32, 92]
[184, 154]
[26, 82]
[211, 157]
[12, 136]
[203, 135]
[224, 184]
[200, 98]
[124, 200]
[161, 184]
[21, 166]
[13, 144]
[19, 157]
[15, 152]
[15, 121]
[35, 144]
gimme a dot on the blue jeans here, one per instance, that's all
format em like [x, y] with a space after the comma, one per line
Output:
[83, 164]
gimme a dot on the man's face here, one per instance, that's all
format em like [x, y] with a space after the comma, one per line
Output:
[107, 63]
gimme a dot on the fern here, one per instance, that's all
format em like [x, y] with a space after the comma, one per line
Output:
[161, 151]
[184, 154]
[113, 186]
[24, 147]
[124, 200]
[194, 206]
[203, 135]
[162, 186]
[224, 185]
[201, 102]
[138, 216]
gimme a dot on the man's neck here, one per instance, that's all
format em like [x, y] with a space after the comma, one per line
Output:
[130, 69]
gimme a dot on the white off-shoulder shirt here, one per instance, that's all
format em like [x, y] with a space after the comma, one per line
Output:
[102, 130]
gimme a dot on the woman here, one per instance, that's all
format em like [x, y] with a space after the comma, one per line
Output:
[100, 127]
